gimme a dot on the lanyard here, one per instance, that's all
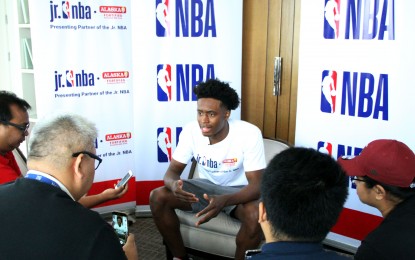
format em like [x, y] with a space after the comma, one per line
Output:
[41, 178]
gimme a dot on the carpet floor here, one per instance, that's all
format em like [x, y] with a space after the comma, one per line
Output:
[150, 243]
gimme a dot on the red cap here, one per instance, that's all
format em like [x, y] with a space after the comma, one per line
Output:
[387, 161]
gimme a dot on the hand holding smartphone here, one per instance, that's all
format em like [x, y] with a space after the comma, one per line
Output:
[120, 225]
[125, 179]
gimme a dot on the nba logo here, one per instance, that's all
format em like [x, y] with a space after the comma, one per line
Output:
[66, 10]
[328, 91]
[325, 147]
[164, 82]
[70, 81]
[165, 141]
[162, 18]
[331, 19]
[164, 144]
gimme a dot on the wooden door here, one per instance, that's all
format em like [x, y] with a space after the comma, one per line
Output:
[270, 29]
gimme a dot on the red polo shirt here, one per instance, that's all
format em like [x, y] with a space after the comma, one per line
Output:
[9, 170]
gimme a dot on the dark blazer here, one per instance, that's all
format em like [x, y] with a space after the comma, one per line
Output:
[40, 221]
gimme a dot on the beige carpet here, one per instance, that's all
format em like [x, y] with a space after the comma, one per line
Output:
[150, 244]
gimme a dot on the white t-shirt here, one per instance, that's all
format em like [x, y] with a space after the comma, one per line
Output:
[226, 162]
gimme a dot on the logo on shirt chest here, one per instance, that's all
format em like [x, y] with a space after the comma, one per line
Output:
[230, 162]
[210, 163]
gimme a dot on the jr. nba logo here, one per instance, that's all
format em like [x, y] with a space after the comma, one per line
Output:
[328, 91]
[162, 18]
[164, 144]
[164, 82]
[331, 19]
[325, 147]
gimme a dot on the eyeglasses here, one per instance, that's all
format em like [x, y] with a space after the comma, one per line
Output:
[22, 128]
[354, 179]
[93, 156]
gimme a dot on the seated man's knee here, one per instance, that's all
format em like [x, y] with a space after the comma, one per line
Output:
[249, 213]
[157, 197]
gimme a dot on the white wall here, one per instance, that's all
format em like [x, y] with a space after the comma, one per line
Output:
[4, 50]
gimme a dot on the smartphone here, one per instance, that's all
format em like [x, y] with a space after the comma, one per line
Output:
[251, 252]
[120, 225]
[125, 179]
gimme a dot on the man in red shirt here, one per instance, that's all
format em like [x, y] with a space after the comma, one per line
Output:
[14, 126]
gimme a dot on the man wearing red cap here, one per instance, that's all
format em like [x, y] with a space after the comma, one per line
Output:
[384, 175]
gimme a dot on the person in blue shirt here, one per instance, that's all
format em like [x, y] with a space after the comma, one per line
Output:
[302, 194]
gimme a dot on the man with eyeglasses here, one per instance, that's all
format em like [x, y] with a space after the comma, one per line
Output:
[40, 210]
[384, 175]
[14, 125]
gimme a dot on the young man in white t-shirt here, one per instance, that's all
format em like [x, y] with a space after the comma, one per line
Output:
[230, 156]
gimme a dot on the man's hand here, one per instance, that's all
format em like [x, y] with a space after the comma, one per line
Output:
[216, 204]
[108, 194]
[115, 193]
[177, 189]
[130, 248]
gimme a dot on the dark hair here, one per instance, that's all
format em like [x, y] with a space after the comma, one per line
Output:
[6, 100]
[398, 192]
[303, 191]
[214, 88]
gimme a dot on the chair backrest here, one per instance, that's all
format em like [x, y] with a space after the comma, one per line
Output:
[271, 148]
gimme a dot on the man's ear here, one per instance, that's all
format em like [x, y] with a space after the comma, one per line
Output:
[380, 192]
[77, 166]
[262, 212]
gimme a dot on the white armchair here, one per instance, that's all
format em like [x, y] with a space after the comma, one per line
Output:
[217, 237]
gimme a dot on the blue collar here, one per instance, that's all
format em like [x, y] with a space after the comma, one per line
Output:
[41, 178]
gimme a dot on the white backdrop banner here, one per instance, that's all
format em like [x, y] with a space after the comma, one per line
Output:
[130, 66]
[176, 44]
[354, 87]
[82, 64]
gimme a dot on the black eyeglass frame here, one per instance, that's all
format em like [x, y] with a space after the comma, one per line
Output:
[93, 156]
[354, 179]
[20, 127]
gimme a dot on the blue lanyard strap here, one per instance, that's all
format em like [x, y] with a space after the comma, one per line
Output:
[41, 179]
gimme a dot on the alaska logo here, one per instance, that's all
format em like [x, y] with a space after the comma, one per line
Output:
[66, 10]
[113, 12]
[115, 77]
[119, 136]
[113, 9]
[118, 139]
